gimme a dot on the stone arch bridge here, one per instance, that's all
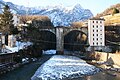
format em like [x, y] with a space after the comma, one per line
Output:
[60, 32]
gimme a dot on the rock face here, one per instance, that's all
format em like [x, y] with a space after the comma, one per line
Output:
[64, 68]
[60, 16]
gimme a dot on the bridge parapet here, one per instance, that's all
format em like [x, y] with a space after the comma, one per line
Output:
[66, 29]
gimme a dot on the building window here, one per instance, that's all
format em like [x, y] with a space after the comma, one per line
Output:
[100, 21]
[93, 43]
[93, 21]
[93, 26]
[97, 43]
[96, 30]
[100, 38]
[96, 21]
[96, 26]
[101, 43]
[93, 39]
[93, 34]
[93, 30]
[97, 39]
[96, 34]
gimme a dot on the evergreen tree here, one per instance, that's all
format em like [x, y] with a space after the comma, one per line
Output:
[6, 21]
[115, 11]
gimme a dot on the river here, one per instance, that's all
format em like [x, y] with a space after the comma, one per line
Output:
[25, 73]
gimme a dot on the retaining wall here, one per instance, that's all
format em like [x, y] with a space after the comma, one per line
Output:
[111, 58]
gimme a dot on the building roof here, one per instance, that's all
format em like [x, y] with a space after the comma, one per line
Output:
[96, 18]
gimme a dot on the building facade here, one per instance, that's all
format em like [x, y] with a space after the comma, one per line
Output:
[96, 32]
[11, 40]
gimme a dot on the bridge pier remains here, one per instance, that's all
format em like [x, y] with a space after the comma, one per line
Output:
[59, 40]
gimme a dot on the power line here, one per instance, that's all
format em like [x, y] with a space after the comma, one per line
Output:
[44, 41]
[113, 42]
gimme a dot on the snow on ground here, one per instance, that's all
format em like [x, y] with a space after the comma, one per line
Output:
[19, 45]
[64, 67]
[49, 52]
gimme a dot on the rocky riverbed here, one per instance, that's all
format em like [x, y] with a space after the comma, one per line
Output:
[64, 67]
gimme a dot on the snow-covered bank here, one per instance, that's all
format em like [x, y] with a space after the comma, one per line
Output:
[49, 52]
[19, 45]
[62, 67]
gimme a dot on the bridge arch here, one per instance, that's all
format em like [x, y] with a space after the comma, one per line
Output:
[47, 40]
[75, 40]
[49, 30]
[68, 30]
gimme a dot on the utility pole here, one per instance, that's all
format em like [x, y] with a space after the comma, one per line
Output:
[0, 42]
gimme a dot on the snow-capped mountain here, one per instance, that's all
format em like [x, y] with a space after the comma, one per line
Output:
[59, 15]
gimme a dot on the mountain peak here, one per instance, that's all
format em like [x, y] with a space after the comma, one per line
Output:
[78, 6]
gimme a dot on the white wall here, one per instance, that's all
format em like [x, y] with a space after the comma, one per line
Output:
[11, 41]
[3, 39]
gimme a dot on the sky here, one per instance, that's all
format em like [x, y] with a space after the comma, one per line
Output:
[96, 6]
